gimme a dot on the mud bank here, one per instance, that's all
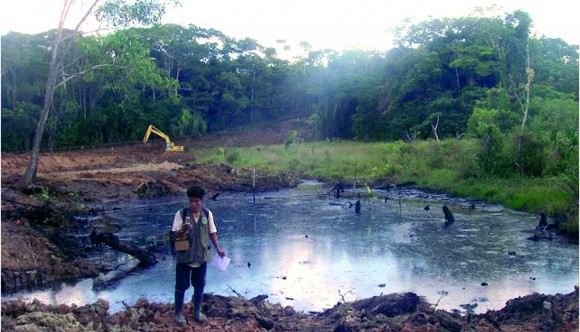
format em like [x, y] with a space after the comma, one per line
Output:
[393, 312]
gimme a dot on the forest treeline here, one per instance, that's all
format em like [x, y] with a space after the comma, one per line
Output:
[486, 77]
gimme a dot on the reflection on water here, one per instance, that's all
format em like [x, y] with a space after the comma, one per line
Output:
[311, 251]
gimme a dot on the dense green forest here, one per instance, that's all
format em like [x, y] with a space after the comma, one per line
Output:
[488, 78]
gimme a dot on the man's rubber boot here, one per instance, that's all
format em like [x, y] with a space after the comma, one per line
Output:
[197, 296]
[179, 319]
[199, 316]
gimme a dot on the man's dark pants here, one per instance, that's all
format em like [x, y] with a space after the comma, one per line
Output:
[184, 275]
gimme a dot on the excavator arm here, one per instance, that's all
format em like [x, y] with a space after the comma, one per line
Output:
[169, 146]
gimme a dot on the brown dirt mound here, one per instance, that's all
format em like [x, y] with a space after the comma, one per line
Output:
[393, 312]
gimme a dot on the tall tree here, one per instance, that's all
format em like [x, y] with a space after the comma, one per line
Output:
[118, 13]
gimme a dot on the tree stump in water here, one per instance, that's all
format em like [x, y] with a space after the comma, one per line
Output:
[357, 206]
[449, 219]
[543, 224]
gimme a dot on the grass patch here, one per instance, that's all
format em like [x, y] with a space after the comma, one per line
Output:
[451, 166]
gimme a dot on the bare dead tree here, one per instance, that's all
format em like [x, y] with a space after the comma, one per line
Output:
[434, 129]
[525, 106]
[525, 103]
[56, 63]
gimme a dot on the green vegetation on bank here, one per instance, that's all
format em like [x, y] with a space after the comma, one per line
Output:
[451, 165]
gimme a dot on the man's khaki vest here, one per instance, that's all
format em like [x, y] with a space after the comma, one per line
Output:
[198, 236]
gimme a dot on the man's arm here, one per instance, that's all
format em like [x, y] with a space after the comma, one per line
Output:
[179, 228]
[213, 234]
[214, 239]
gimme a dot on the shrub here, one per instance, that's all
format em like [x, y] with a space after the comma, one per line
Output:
[232, 156]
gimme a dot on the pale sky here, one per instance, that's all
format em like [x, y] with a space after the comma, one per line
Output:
[336, 24]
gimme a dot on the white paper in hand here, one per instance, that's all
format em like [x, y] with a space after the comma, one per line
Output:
[221, 263]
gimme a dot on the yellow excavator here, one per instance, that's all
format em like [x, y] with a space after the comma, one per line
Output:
[169, 146]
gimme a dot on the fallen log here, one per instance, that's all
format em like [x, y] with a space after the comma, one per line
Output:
[105, 279]
[146, 258]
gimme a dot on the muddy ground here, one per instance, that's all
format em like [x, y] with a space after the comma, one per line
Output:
[97, 179]
[393, 312]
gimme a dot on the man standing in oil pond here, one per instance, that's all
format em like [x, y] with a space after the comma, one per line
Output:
[193, 228]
